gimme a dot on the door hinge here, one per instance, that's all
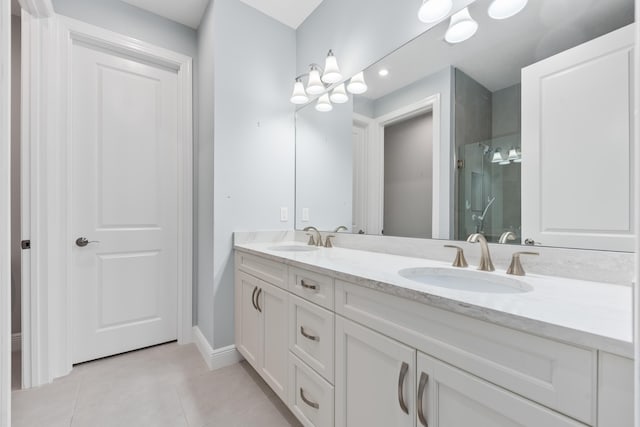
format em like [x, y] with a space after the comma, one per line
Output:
[26, 244]
[460, 164]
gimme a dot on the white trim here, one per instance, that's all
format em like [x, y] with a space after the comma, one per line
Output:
[37, 8]
[16, 342]
[441, 184]
[47, 50]
[215, 359]
[636, 293]
[5, 214]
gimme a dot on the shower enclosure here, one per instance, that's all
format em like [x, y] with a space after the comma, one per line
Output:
[489, 188]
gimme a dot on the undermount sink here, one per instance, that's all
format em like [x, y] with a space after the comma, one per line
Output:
[293, 248]
[466, 280]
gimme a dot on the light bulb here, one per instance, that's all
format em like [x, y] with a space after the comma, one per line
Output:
[299, 95]
[497, 157]
[462, 27]
[503, 9]
[357, 84]
[339, 95]
[331, 71]
[315, 85]
[324, 104]
[434, 10]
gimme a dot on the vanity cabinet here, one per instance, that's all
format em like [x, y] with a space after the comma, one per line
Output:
[577, 108]
[344, 355]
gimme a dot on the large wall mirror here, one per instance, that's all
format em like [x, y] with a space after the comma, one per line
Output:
[523, 133]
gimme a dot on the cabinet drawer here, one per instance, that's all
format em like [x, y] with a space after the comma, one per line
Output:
[557, 375]
[311, 286]
[311, 335]
[269, 271]
[310, 396]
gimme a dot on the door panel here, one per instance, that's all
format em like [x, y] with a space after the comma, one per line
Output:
[248, 317]
[370, 383]
[124, 198]
[273, 366]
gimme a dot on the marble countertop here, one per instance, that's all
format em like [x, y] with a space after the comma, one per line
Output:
[590, 314]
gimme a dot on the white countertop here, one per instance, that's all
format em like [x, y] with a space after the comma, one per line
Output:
[590, 314]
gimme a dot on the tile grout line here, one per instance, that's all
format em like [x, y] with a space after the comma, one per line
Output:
[184, 413]
[75, 401]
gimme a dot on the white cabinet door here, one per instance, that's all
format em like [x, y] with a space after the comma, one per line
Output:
[577, 168]
[375, 379]
[449, 397]
[247, 318]
[615, 391]
[273, 307]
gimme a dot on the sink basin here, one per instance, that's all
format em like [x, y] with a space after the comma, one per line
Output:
[293, 248]
[466, 280]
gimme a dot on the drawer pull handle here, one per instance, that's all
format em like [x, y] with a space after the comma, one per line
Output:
[258, 300]
[310, 287]
[314, 405]
[253, 297]
[424, 379]
[307, 336]
[403, 375]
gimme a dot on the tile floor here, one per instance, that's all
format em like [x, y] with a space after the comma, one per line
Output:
[167, 385]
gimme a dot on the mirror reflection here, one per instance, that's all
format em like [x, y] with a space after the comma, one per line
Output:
[446, 141]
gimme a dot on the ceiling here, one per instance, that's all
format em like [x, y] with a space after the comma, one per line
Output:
[289, 12]
[500, 49]
[187, 12]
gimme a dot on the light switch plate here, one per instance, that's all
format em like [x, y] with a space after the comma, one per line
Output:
[305, 214]
[284, 214]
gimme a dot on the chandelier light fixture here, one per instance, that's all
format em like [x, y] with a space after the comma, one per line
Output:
[503, 9]
[461, 27]
[321, 82]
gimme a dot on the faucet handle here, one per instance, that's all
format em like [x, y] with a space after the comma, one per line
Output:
[327, 241]
[515, 268]
[312, 241]
[460, 260]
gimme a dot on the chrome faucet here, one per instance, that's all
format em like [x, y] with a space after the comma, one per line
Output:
[507, 236]
[312, 242]
[485, 258]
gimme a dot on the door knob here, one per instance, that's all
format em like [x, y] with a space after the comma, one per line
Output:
[82, 241]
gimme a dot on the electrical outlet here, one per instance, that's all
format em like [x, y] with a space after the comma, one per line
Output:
[284, 214]
[305, 214]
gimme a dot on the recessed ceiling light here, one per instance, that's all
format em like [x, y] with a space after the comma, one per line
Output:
[383, 72]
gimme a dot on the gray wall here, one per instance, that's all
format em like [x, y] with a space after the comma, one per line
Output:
[15, 174]
[408, 178]
[125, 19]
[254, 68]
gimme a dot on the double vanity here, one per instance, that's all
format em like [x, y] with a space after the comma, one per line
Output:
[350, 337]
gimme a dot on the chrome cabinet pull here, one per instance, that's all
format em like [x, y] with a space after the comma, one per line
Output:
[307, 336]
[424, 379]
[314, 405]
[305, 286]
[258, 300]
[403, 374]
[253, 297]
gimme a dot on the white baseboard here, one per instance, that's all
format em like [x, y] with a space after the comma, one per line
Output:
[215, 359]
[16, 341]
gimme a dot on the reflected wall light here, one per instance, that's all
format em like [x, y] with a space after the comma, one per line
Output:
[503, 9]
[357, 85]
[339, 95]
[434, 10]
[461, 27]
[324, 104]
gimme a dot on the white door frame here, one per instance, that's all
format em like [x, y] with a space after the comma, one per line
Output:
[441, 186]
[636, 293]
[5, 213]
[47, 288]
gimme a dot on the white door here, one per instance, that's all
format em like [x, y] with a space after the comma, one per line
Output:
[272, 304]
[577, 168]
[449, 397]
[375, 378]
[124, 182]
[247, 318]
